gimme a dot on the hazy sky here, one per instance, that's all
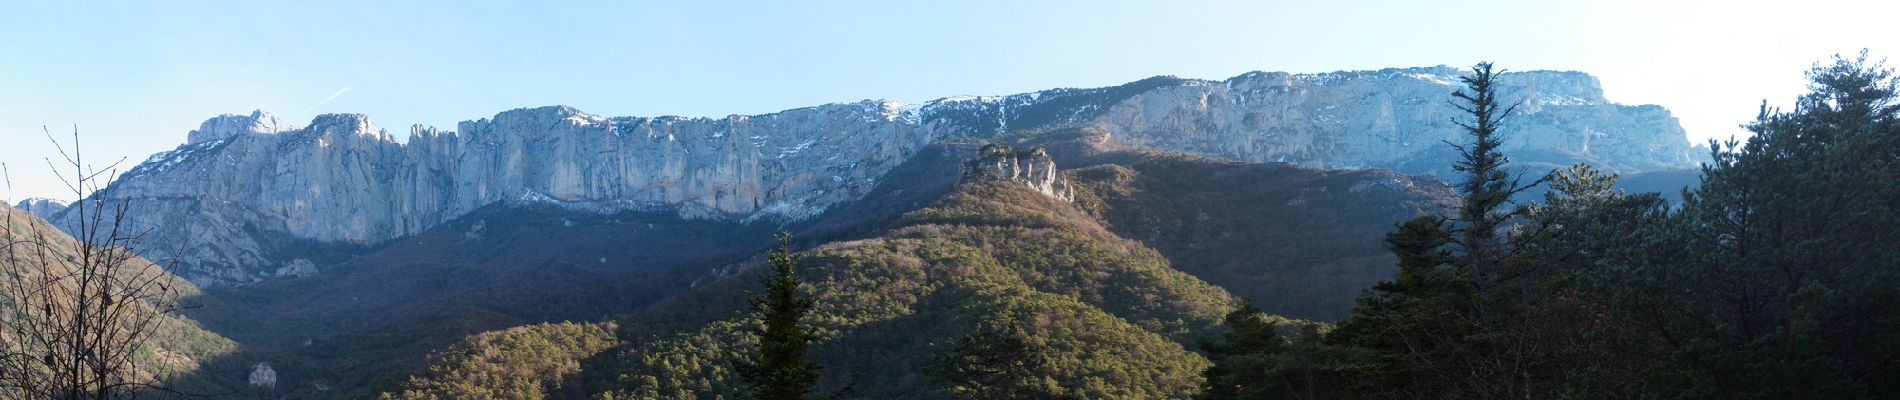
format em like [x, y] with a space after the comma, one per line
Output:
[135, 77]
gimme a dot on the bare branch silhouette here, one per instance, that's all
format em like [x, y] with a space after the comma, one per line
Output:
[81, 311]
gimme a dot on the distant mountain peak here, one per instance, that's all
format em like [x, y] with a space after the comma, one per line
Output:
[347, 125]
[40, 206]
[228, 125]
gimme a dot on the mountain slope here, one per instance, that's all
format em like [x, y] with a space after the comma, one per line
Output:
[993, 253]
[370, 319]
[1297, 241]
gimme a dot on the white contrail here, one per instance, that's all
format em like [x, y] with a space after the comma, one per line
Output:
[326, 100]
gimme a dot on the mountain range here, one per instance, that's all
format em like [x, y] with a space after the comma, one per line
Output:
[245, 190]
[339, 254]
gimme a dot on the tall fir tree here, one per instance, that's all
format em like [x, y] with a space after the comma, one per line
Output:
[1487, 184]
[779, 371]
[1447, 325]
[1409, 325]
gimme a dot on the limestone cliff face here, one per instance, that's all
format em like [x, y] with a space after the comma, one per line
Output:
[1032, 167]
[343, 179]
[1393, 118]
[243, 186]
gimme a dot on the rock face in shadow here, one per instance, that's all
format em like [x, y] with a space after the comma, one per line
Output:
[245, 187]
[41, 206]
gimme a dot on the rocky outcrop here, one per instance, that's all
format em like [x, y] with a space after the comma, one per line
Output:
[263, 376]
[41, 206]
[1033, 168]
[243, 186]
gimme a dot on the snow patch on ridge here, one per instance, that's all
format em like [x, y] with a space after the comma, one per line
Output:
[893, 111]
[1435, 78]
[166, 160]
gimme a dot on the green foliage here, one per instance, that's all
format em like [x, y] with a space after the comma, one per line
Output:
[1487, 185]
[516, 363]
[1776, 279]
[1407, 322]
[1255, 360]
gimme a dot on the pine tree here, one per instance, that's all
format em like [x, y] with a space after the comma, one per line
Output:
[779, 371]
[1409, 324]
[1487, 185]
[1451, 323]
[1583, 221]
[1241, 357]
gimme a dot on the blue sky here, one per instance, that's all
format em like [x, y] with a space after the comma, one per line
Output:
[136, 76]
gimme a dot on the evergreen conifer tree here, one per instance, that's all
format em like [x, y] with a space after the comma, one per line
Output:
[779, 371]
[1777, 278]
[1446, 326]
[1255, 360]
[1241, 356]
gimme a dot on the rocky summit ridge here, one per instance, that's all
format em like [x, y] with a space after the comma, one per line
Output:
[1031, 167]
[244, 185]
